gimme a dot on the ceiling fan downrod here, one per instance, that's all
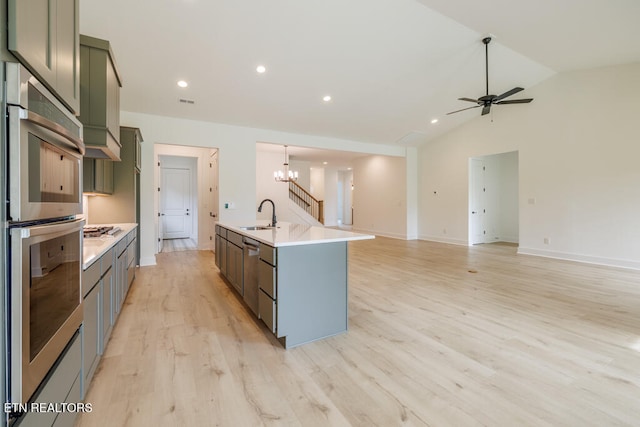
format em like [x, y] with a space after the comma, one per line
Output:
[486, 42]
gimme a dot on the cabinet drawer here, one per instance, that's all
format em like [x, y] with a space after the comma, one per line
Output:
[267, 279]
[234, 238]
[121, 246]
[220, 231]
[268, 254]
[91, 276]
[267, 311]
[107, 260]
[131, 236]
[131, 255]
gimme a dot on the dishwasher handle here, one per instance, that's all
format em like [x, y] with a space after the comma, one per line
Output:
[251, 246]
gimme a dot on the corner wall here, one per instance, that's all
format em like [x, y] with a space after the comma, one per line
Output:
[578, 164]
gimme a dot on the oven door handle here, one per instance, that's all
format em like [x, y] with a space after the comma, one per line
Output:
[51, 228]
[41, 121]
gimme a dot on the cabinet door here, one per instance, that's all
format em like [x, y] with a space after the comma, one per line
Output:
[138, 154]
[68, 53]
[107, 298]
[32, 35]
[223, 257]
[113, 102]
[218, 239]
[90, 333]
[107, 175]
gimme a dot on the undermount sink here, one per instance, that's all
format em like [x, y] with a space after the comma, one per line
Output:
[257, 227]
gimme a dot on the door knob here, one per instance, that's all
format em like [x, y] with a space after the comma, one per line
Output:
[474, 212]
[187, 213]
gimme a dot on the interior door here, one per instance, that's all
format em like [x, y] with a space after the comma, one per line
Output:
[477, 202]
[175, 195]
[213, 192]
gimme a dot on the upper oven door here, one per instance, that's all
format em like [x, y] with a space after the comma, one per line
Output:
[45, 151]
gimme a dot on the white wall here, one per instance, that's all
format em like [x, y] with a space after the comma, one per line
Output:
[317, 183]
[578, 166]
[303, 169]
[380, 195]
[330, 197]
[236, 160]
[268, 188]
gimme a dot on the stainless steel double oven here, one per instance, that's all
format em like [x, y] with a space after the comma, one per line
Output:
[44, 176]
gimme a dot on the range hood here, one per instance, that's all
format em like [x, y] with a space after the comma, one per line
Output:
[100, 85]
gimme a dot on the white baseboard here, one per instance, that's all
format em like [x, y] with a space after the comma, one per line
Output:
[610, 262]
[440, 239]
[148, 260]
[380, 233]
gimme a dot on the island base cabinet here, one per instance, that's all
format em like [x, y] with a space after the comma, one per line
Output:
[311, 299]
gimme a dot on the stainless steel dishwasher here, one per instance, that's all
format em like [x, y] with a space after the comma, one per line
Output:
[251, 250]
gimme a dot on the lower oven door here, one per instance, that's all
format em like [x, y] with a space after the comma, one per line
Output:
[46, 310]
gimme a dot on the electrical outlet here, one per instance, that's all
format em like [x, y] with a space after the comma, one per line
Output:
[546, 240]
[444, 231]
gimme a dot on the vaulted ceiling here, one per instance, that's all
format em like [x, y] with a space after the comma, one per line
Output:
[390, 66]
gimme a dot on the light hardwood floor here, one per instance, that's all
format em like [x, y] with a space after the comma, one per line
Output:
[439, 335]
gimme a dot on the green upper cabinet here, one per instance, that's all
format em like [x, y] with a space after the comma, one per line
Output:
[44, 35]
[100, 85]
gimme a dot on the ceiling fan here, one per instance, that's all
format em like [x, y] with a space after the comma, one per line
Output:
[487, 100]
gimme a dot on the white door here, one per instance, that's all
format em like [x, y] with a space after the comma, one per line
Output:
[477, 202]
[213, 197]
[175, 203]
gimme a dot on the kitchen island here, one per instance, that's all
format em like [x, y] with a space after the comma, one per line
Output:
[301, 291]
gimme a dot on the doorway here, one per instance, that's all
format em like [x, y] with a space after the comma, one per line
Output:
[178, 203]
[493, 198]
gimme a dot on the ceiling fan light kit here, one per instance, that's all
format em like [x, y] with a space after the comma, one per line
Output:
[487, 100]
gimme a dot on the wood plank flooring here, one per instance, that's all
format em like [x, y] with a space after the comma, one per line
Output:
[439, 335]
[175, 245]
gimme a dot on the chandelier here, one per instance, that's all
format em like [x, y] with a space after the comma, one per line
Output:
[286, 175]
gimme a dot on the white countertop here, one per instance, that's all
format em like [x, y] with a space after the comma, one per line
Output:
[288, 234]
[94, 247]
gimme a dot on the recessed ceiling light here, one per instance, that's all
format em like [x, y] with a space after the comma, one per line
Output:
[348, 169]
[261, 69]
[434, 121]
[325, 163]
[326, 98]
[182, 83]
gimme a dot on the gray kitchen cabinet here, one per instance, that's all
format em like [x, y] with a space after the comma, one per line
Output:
[62, 384]
[97, 282]
[121, 274]
[97, 176]
[100, 85]
[126, 262]
[123, 206]
[229, 257]
[91, 333]
[267, 287]
[44, 35]
[221, 249]
[107, 319]
[235, 261]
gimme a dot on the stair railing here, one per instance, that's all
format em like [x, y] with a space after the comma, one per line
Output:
[306, 201]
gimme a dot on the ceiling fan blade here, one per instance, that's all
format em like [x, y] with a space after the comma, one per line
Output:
[508, 93]
[468, 99]
[468, 108]
[516, 101]
[486, 109]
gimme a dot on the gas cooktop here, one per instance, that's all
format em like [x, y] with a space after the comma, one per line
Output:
[97, 231]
